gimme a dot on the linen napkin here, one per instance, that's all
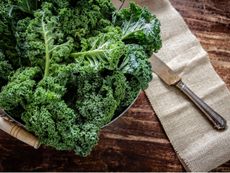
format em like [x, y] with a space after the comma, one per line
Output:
[198, 145]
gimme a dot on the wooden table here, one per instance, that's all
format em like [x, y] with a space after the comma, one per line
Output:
[136, 142]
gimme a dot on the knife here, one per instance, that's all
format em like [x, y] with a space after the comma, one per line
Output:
[172, 78]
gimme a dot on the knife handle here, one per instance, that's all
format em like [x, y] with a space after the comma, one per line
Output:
[215, 119]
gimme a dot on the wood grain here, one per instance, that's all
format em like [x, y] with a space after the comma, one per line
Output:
[135, 142]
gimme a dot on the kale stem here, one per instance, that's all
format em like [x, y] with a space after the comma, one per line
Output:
[87, 53]
[131, 33]
[127, 36]
[47, 53]
[47, 65]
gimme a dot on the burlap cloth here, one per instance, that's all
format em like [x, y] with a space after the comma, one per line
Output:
[198, 145]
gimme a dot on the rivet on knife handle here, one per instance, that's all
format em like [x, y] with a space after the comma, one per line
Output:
[217, 120]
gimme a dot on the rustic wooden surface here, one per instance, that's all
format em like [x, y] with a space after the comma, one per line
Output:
[136, 142]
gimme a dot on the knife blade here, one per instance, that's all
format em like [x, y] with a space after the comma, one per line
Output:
[164, 72]
[172, 78]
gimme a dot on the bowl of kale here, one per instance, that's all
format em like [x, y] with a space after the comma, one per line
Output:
[69, 67]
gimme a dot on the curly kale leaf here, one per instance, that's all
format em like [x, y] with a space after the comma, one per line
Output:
[131, 92]
[26, 6]
[49, 117]
[42, 41]
[102, 51]
[88, 19]
[97, 108]
[5, 30]
[139, 26]
[30, 6]
[19, 90]
[8, 41]
[136, 63]
[98, 99]
[57, 125]
[117, 81]
[54, 123]
[87, 139]
[5, 69]
[88, 83]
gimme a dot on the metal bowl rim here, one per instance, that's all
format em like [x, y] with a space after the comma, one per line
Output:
[126, 110]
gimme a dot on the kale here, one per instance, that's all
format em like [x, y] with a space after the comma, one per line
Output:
[5, 69]
[49, 114]
[41, 37]
[139, 26]
[18, 92]
[7, 41]
[136, 63]
[102, 51]
[68, 67]
[25, 6]
[99, 99]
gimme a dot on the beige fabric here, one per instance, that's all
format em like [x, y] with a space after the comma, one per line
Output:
[198, 145]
